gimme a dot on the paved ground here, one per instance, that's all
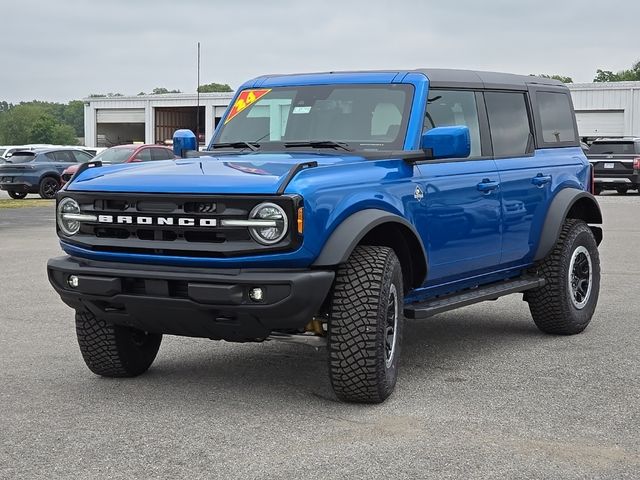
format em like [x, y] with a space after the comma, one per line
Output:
[482, 394]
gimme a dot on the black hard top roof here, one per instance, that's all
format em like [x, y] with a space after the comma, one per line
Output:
[445, 77]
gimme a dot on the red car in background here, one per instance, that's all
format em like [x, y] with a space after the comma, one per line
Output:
[125, 154]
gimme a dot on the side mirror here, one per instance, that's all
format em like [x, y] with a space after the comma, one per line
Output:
[183, 141]
[447, 142]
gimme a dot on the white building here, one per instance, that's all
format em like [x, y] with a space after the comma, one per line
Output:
[151, 118]
[607, 109]
[602, 109]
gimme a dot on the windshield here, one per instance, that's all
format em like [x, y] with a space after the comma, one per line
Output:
[114, 155]
[365, 117]
[21, 157]
[613, 148]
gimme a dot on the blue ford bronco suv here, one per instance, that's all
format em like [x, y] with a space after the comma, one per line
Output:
[327, 209]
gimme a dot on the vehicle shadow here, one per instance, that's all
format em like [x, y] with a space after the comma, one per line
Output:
[197, 370]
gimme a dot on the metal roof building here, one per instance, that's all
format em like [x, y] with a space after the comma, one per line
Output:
[150, 118]
[609, 109]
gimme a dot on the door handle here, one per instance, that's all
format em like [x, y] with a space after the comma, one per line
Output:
[487, 186]
[541, 180]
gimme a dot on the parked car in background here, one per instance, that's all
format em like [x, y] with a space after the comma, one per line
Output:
[616, 164]
[38, 171]
[125, 154]
[7, 150]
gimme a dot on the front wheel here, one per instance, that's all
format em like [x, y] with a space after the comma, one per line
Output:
[567, 301]
[17, 195]
[365, 325]
[622, 190]
[113, 350]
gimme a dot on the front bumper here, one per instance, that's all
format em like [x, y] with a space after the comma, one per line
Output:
[196, 302]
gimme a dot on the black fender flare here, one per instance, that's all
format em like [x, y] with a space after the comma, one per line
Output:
[573, 203]
[353, 229]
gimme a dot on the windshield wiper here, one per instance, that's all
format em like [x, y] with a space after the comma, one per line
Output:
[252, 146]
[320, 144]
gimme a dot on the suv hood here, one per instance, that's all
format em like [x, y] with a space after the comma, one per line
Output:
[257, 173]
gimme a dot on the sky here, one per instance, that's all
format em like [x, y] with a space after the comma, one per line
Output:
[68, 49]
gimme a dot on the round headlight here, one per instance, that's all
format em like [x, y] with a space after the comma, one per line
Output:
[68, 205]
[276, 231]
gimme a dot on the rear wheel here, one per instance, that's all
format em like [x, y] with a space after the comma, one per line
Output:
[565, 304]
[622, 190]
[48, 187]
[113, 350]
[365, 325]
[17, 195]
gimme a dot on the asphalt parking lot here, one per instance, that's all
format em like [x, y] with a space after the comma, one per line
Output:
[481, 394]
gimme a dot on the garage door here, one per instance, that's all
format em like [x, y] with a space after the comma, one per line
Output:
[120, 115]
[600, 123]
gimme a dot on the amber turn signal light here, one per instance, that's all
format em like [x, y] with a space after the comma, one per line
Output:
[300, 220]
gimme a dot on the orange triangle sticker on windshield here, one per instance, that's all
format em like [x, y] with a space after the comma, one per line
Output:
[245, 99]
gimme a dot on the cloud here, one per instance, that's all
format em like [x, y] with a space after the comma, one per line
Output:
[70, 48]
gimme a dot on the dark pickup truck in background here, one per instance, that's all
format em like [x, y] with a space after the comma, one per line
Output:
[616, 164]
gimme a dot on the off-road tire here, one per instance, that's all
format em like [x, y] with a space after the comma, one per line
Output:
[551, 306]
[361, 366]
[113, 350]
[17, 195]
[48, 188]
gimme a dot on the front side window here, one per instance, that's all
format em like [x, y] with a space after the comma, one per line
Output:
[509, 123]
[556, 118]
[447, 108]
[366, 117]
[160, 154]
[144, 155]
[64, 156]
[81, 157]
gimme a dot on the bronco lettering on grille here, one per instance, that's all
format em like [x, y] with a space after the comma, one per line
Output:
[141, 220]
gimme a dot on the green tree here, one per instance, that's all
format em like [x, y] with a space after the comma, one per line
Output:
[41, 130]
[39, 122]
[161, 90]
[561, 78]
[74, 116]
[63, 135]
[214, 87]
[630, 75]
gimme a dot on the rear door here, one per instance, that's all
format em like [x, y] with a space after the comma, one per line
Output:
[460, 225]
[529, 177]
[62, 159]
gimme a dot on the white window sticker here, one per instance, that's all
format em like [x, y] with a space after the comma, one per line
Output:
[302, 109]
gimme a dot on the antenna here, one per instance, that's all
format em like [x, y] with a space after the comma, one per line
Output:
[198, 103]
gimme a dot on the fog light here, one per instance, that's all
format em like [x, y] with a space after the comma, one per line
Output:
[73, 281]
[256, 294]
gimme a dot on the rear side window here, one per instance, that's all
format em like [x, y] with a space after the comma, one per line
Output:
[614, 148]
[556, 118]
[446, 108]
[509, 123]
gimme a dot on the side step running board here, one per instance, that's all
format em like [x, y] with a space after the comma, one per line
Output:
[471, 296]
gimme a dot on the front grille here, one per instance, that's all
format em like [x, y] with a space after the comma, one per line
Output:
[151, 224]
